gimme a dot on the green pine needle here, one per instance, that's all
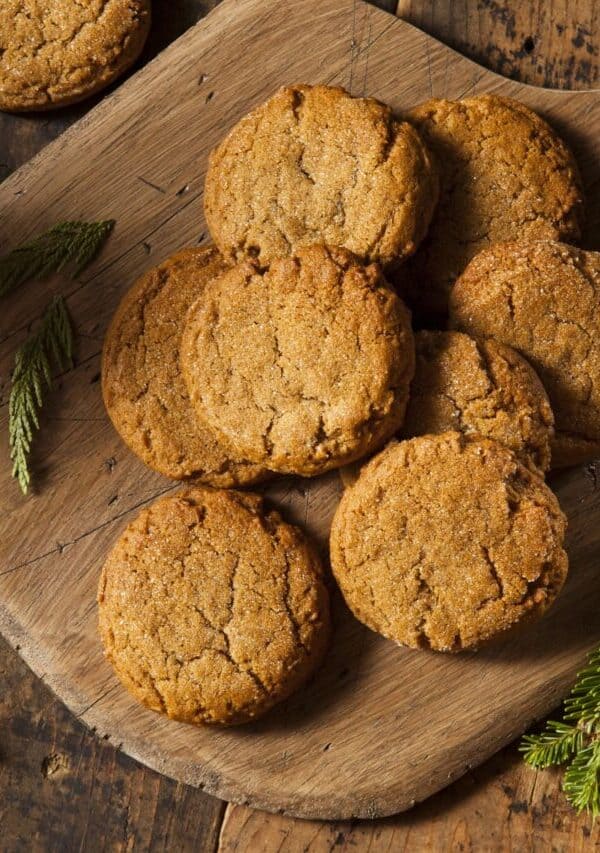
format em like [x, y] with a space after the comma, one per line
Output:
[67, 242]
[582, 780]
[52, 342]
[583, 704]
[575, 739]
[74, 243]
[556, 745]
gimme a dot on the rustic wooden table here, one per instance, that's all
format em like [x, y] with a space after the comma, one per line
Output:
[63, 789]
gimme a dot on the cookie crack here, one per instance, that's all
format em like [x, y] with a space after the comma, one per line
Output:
[294, 624]
[495, 574]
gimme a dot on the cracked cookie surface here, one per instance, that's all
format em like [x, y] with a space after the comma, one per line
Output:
[61, 51]
[144, 392]
[315, 165]
[481, 387]
[303, 365]
[543, 299]
[445, 541]
[211, 608]
[507, 176]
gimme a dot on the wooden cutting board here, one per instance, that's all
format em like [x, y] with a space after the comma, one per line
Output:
[380, 727]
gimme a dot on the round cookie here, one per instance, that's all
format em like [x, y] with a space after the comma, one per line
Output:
[543, 299]
[315, 165]
[211, 608]
[507, 176]
[481, 387]
[144, 392]
[60, 51]
[302, 366]
[445, 541]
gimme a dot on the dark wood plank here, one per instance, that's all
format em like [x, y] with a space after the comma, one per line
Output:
[54, 774]
[63, 788]
[500, 806]
[544, 42]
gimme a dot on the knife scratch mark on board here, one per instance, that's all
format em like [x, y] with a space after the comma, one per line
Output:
[428, 53]
[352, 45]
[359, 51]
[369, 43]
[152, 186]
[471, 85]
[59, 549]
[102, 696]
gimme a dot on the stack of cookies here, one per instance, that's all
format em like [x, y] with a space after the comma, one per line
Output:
[289, 347]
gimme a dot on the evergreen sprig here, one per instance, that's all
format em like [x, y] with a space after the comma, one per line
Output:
[32, 375]
[69, 242]
[583, 703]
[66, 242]
[581, 782]
[575, 739]
[556, 745]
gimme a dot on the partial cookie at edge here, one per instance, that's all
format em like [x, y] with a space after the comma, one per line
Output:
[67, 53]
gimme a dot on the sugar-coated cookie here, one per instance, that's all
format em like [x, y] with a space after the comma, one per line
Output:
[543, 299]
[143, 389]
[506, 176]
[445, 541]
[315, 165]
[303, 365]
[61, 51]
[212, 609]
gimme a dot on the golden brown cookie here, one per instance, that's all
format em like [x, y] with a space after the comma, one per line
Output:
[506, 176]
[445, 541]
[211, 608]
[543, 299]
[143, 389]
[61, 51]
[315, 165]
[303, 365]
[479, 387]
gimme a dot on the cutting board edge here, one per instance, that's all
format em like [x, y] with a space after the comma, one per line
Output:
[393, 800]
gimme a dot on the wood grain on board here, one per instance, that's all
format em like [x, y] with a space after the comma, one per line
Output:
[83, 474]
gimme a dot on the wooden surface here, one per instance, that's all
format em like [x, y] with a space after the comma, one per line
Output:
[447, 819]
[140, 158]
[544, 42]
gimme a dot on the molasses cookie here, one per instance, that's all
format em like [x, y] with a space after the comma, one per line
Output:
[211, 608]
[507, 176]
[143, 390]
[445, 541]
[315, 165]
[303, 365]
[543, 299]
[479, 387]
[61, 51]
